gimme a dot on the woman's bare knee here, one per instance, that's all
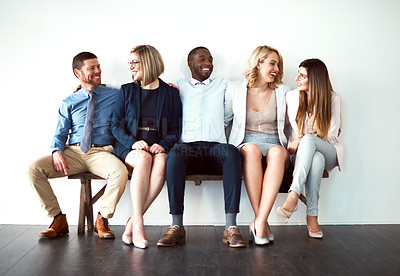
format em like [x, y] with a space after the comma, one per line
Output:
[136, 157]
[276, 153]
[251, 151]
[160, 161]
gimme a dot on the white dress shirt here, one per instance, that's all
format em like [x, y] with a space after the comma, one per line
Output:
[202, 110]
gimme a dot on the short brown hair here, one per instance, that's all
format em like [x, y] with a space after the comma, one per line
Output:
[150, 61]
[80, 58]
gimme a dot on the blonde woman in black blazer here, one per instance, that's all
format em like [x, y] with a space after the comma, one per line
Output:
[146, 124]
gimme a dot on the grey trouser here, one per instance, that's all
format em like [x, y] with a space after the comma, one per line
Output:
[313, 156]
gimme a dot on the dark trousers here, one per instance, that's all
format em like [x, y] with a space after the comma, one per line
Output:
[204, 158]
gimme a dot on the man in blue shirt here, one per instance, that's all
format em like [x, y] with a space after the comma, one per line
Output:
[203, 148]
[71, 153]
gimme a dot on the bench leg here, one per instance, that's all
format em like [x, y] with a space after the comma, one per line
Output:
[85, 206]
[89, 205]
[82, 209]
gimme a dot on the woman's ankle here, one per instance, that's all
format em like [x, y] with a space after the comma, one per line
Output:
[268, 229]
[291, 202]
[312, 223]
[138, 230]
[128, 228]
[260, 229]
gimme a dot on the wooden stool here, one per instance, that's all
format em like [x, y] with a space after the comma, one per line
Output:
[87, 201]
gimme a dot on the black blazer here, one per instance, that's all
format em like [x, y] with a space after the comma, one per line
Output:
[127, 111]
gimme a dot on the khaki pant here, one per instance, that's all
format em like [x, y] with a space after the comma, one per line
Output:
[98, 160]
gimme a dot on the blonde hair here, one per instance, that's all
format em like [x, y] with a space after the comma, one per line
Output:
[151, 63]
[317, 101]
[258, 56]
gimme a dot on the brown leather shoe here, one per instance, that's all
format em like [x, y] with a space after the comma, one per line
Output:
[101, 227]
[58, 227]
[233, 237]
[173, 236]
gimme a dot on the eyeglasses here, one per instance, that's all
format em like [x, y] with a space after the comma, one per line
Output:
[133, 63]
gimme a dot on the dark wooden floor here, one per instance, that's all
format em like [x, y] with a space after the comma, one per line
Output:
[345, 250]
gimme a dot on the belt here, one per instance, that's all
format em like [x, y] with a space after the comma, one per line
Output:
[147, 129]
[92, 145]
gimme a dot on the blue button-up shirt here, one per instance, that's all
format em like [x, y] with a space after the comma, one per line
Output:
[72, 115]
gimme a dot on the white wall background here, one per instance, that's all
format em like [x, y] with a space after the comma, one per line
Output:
[358, 40]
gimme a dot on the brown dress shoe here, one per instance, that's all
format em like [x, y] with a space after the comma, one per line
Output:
[173, 236]
[58, 227]
[233, 237]
[101, 227]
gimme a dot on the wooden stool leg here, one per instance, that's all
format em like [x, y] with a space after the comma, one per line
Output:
[88, 203]
[82, 208]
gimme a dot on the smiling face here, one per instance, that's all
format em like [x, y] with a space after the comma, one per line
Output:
[201, 65]
[268, 68]
[90, 74]
[135, 67]
[302, 79]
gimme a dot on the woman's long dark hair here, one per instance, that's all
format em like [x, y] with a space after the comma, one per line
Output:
[317, 101]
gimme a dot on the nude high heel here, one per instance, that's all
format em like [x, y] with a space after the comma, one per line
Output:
[127, 239]
[286, 214]
[141, 244]
[315, 235]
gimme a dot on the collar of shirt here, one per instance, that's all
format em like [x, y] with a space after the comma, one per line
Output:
[83, 91]
[96, 91]
[205, 82]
